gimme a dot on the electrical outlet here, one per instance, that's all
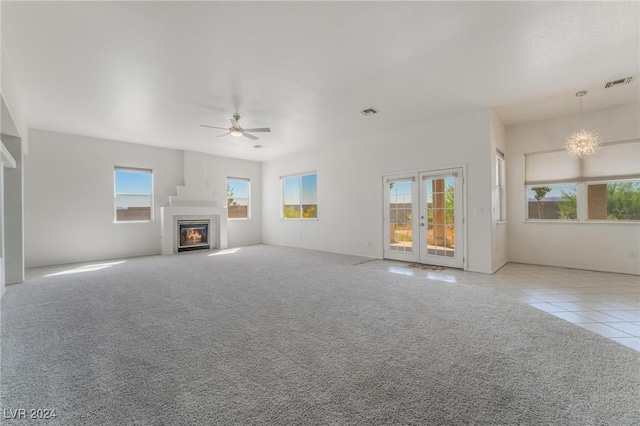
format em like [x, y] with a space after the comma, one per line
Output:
[633, 254]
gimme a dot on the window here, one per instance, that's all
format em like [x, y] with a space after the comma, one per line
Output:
[613, 200]
[238, 196]
[501, 201]
[552, 202]
[133, 194]
[300, 196]
[602, 187]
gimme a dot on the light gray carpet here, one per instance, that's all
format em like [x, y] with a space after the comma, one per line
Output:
[274, 335]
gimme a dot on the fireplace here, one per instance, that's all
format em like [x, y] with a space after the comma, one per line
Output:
[193, 235]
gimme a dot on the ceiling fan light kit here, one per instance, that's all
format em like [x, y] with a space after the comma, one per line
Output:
[237, 131]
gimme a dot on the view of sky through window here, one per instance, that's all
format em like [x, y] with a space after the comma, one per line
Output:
[238, 190]
[133, 194]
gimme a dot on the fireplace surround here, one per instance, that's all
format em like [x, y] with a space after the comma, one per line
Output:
[195, 200]
[171, 215]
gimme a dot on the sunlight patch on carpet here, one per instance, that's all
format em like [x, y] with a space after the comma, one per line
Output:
[86, 268]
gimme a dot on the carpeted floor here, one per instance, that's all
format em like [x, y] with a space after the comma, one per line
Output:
[274, 335]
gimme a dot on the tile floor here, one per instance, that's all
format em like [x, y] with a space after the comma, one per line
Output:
[604, 303]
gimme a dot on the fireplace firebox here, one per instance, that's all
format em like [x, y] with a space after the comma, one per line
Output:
[193, 235]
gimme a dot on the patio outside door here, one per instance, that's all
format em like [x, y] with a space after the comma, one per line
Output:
[401, 236]
[423, 218]
[441, 229]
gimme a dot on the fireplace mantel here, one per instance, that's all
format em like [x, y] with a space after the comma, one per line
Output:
[168, 217]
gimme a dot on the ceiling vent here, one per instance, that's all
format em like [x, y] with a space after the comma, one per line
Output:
[368, 111]
[618, 82]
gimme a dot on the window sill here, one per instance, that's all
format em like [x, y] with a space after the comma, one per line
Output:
[599, 222]
[132, 221]
[306, 219]
[628, 222]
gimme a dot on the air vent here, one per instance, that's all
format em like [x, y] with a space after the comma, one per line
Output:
[618, 82]
[258, 146]
[368, 111]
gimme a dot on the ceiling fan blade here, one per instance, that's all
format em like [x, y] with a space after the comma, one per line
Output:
[224, 134]
[235, 123]
[259, 129]
[214, 127]
[253, 138]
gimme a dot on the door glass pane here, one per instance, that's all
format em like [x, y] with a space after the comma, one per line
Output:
[440, 214]
[400, 216]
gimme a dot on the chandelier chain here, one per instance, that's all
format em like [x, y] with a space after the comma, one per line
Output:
[581, 126]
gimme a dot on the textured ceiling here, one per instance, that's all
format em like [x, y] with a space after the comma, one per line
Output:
[152, 72]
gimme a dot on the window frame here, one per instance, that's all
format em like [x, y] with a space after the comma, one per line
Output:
[501, 188]
[141, 170]
[615, 162]
[282, 196]
[248, 181]
[606, 182]
[542, 220]
[582, 202]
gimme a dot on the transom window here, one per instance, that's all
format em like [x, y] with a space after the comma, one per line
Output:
[300, 196]
[133, 194]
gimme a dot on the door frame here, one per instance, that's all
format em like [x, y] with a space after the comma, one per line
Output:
[456, 261]
[416, 173]
[414, 255]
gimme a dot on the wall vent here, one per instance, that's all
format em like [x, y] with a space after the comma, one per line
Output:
[619, 82]
[368, 111]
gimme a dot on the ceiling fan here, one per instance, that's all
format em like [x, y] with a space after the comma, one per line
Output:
[237, 131]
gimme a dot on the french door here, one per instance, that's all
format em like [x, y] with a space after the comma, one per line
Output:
[423, 217]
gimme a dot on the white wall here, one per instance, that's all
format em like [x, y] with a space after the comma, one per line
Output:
[6, 161]
[595, 246]
[217, 170]
[12, 123]
[13, 213]
[12, 109]
[498, 229]
[350, 185]
[69, 197]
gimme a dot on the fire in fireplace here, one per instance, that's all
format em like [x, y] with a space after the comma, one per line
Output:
[193, 235]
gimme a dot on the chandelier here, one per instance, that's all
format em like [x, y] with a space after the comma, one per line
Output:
[582, 143]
